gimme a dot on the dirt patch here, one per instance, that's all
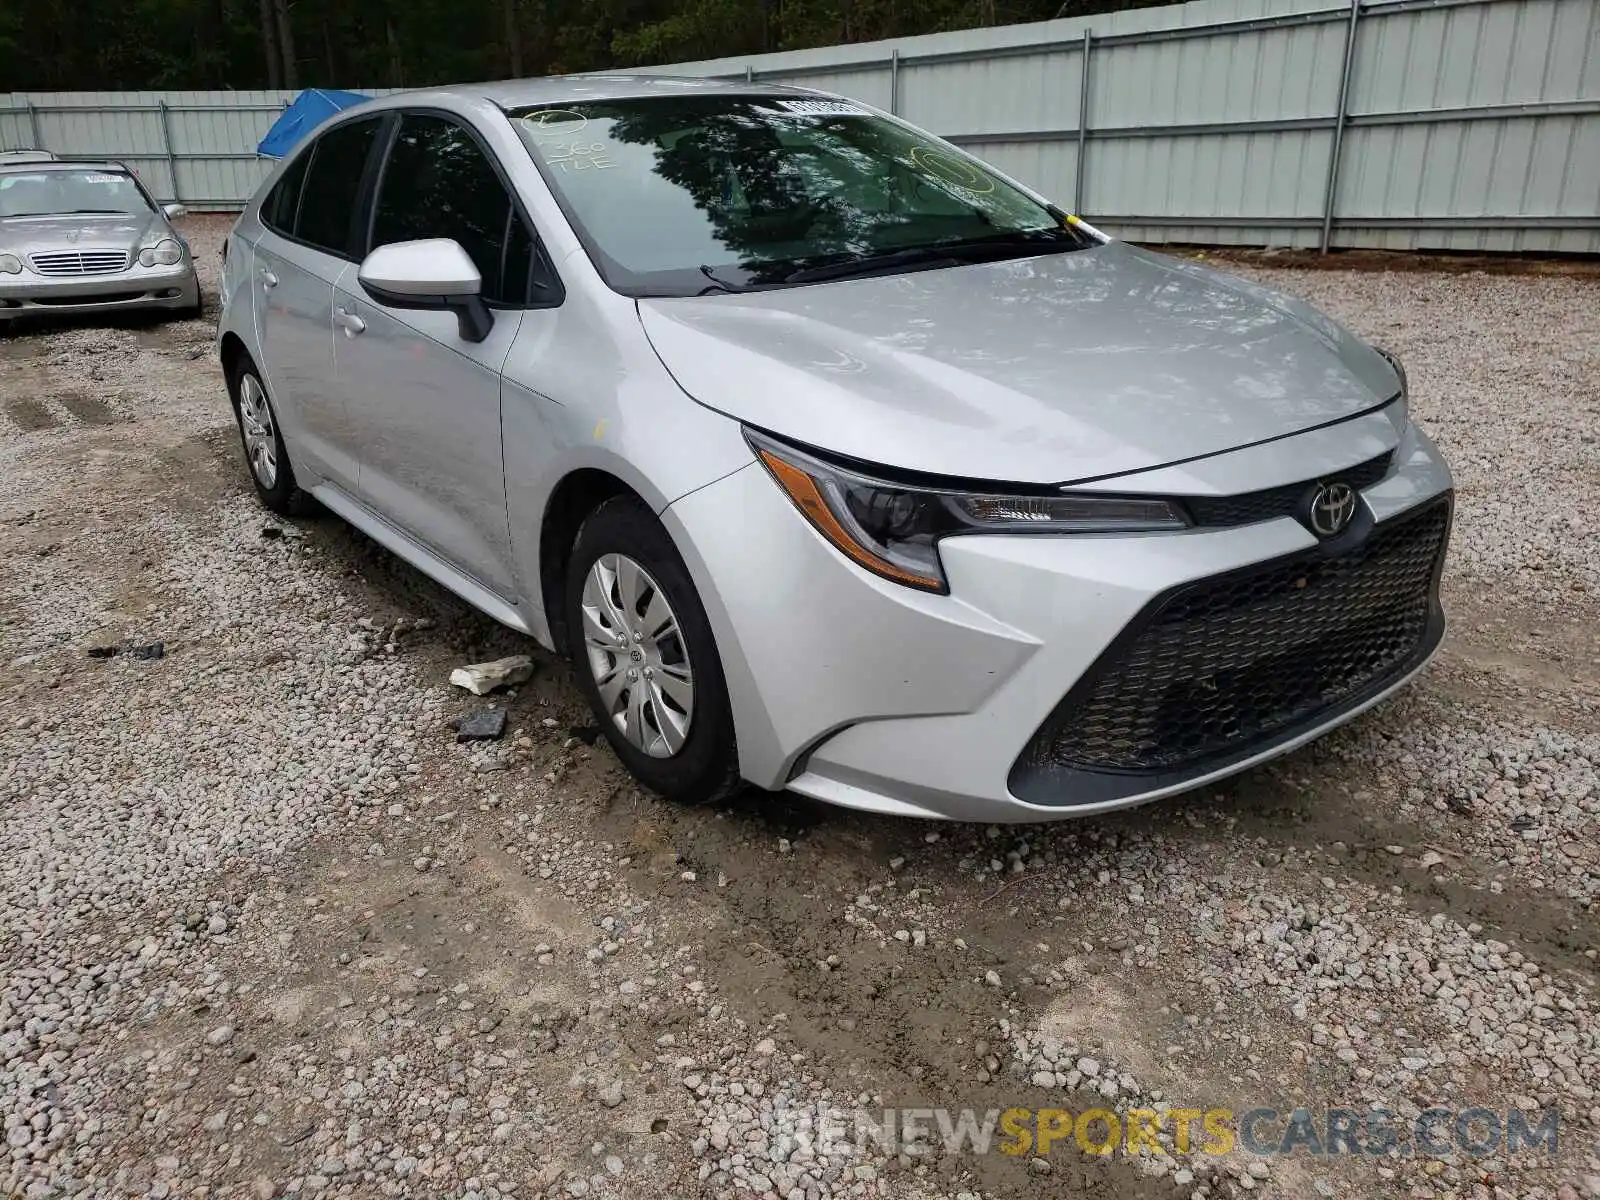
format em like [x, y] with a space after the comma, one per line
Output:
[91, 410]
[30, 416]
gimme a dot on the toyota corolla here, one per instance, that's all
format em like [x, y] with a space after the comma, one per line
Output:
[833, 458]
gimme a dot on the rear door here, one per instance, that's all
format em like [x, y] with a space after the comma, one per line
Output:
[428, 401]
[307, 244]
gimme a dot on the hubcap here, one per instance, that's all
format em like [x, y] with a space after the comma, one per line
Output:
[260, 438]
[638, 656]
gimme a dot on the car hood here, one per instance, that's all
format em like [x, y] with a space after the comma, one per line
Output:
[82, 231]
[1051, 369]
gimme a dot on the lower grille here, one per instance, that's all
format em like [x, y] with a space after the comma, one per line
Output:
[79, 262]
[1217, 667]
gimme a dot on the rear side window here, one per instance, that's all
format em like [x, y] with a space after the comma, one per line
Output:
[279, 208]
[333, 185]
[439, 183]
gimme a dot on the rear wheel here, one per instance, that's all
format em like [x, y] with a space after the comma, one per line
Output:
[264, 451]
[646, 658]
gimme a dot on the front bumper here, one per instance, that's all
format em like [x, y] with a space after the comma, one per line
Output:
[174, 288]
[853, 690]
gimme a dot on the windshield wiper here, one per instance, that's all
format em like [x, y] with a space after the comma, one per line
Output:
[721, 283]
[1024, 241]
[922, 257]
[73, 212]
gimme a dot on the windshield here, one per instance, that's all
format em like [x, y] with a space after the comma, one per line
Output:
[680, 195]
[49, 193]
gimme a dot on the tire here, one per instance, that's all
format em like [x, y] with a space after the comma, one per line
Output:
[704, 768]
[278, 491]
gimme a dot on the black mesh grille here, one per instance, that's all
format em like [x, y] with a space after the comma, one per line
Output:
[1226, 662]
[1270, 503]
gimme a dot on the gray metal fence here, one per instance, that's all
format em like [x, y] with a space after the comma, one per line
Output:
[1449, 124]
[195, 147]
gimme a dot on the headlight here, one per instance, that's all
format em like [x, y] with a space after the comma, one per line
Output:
[894, 530]
[10, 264]
[165, 252]
[1393, 360]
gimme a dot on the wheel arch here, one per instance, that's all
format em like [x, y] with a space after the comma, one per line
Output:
[232, 351]
[571, 502]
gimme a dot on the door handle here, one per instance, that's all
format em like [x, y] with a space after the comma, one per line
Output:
[268, 279]
[348, 321]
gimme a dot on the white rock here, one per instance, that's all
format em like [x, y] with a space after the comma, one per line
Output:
[482, 678]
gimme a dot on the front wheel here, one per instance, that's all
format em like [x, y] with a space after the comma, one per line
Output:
[646, 658]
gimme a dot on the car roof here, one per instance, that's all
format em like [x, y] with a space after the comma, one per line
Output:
[24, 167]
[521, 93]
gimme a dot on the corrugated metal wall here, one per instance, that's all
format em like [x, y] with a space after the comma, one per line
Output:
[198, 147]
[213, 136]
[1448, 124]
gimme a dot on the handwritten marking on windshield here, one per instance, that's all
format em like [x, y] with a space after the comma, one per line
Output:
[578, 157]
[555, 123]
[951, 170]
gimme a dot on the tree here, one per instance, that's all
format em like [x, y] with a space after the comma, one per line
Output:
[125, 44]
[269, 46]
[513, 40]
[291, 69]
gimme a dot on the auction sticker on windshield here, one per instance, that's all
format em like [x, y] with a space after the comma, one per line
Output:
[820, 108]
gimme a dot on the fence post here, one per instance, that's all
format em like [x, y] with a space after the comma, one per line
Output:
[1083, 126]
[894, 82]
[1338, 124]
[749, 73]
[33, 123]
[172, 159]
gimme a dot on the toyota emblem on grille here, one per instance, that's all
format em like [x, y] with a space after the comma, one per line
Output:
[1331, 508]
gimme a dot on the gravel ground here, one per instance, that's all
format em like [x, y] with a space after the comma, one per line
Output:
[270, 930]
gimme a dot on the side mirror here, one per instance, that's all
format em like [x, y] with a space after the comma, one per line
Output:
[431, 274]
[173, 211]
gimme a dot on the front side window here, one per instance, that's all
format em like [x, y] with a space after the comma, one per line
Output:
[439, 183]
[675, 195]
[54, 192]
[333, 185]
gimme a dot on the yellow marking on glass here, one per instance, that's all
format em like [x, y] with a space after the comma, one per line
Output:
[949, 169]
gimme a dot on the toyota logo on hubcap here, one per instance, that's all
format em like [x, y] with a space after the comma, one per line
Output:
[1331, 508]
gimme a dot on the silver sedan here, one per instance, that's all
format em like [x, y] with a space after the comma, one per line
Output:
[86, 237]
[832, 458]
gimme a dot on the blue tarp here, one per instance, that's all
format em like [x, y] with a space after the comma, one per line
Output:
[310, 108]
